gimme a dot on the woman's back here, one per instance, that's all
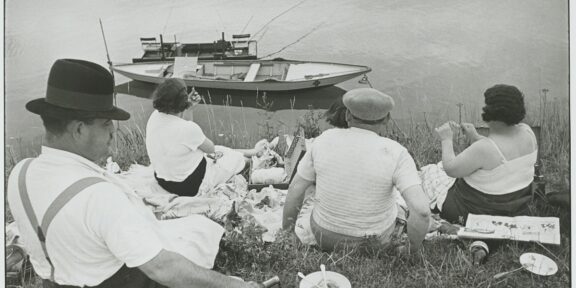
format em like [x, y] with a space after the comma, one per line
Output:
[510, 164]
[520, 141]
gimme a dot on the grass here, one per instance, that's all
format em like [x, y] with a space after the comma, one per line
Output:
[442, 263]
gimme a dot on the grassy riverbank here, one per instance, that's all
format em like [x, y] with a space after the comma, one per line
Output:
[442, 263]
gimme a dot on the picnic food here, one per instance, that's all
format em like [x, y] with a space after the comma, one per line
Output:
[329, 284]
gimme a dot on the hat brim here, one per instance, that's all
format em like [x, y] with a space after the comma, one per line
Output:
[41, 107]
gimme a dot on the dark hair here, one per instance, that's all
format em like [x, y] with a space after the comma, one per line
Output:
[336, 114]
[171, 96]
[504, 103]
[57, 126]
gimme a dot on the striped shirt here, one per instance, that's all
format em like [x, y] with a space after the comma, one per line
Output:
[355, 171]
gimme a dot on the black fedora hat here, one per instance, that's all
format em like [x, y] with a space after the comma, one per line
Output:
[78, 89]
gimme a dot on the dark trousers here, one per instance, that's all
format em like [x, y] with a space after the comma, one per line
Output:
[124, 278]
[190, 185]
[463, 199]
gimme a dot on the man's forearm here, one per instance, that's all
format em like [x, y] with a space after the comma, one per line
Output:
[417, 228]
[174, 270]
[294, 199]
[291, 209]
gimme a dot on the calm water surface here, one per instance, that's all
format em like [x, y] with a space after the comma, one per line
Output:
[429, 55]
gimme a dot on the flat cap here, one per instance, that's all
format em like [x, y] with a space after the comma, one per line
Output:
[368, 103]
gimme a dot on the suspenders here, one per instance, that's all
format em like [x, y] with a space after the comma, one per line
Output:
[53, 209]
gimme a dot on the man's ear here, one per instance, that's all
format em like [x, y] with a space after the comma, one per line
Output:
[387, 119]
[348, 116]
[76, 129]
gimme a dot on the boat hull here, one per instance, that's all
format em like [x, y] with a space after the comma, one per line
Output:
[131, 71]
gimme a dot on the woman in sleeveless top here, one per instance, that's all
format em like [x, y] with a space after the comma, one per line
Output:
[493, 175]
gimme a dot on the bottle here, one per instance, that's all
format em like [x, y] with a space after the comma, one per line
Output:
[479, 252]
[274, 281]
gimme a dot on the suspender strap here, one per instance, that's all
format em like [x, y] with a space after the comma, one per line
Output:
[53, 209]
[64, 197]
[30, 212]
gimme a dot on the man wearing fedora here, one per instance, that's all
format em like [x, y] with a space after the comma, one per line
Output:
[78, 224]
[355, 171]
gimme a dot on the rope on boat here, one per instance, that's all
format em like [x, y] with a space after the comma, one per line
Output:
[365, 80]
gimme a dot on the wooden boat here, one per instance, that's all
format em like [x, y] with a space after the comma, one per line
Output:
[240, 48]
[263, 75]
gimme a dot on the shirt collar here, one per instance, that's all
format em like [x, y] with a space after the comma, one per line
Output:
[363, 131]
[49, 151]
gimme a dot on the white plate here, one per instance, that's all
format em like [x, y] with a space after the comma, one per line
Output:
[333, 278]
[538, 264]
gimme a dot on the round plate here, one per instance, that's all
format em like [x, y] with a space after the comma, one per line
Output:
[538, 264]
[333, 278]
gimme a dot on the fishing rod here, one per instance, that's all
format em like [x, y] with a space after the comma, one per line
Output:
[113, 78]
[297, 40]
[243, 29]
[276, 17]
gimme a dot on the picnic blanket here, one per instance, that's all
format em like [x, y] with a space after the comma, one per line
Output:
[219, 203]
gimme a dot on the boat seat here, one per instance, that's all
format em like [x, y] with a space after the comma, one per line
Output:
[185, 66]
[252, 72]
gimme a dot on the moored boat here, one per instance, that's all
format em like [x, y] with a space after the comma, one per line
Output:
[263, 75]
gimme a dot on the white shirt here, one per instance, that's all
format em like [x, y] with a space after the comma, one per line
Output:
[172, 144]
[94, 234]
[355, 171]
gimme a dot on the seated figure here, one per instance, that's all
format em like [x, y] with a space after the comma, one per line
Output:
[354, 196]
[177, 147]
[493, 175]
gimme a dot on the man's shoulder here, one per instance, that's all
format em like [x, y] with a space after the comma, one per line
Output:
[392, 146]
[333, 132]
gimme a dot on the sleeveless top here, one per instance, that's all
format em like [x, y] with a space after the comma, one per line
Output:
[509, 176]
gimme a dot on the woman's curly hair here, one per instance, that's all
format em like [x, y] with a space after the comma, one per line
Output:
[504, 103]
[336, 114]
[171, 96]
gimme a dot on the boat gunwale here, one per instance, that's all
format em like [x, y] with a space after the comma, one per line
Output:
[366, 69]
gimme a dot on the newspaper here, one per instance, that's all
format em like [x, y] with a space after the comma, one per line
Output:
[520, 228]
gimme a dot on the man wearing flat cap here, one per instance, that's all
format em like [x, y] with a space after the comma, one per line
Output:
[355, 170]
[78, 224]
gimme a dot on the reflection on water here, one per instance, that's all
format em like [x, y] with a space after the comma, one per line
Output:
[318, 98]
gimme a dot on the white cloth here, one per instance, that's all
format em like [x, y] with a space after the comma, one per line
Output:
[355, 171]
[436, 183]
[231, 163]
[511, 175]
[101, 228]
[172, 145]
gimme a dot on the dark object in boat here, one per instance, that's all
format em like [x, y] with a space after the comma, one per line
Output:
[239, 48]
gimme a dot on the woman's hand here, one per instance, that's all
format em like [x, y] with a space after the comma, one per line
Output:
[445, 131]
[193, 97]
[215, 156]
[260, 147]
[470, 131]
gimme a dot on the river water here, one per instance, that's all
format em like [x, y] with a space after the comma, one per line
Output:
[428, 55]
